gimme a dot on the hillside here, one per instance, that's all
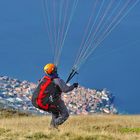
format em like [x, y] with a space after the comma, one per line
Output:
[16, 95]
[97, 127]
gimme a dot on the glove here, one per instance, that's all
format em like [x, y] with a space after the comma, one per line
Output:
[75, 85]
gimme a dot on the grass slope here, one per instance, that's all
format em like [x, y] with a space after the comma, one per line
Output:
[96, 127]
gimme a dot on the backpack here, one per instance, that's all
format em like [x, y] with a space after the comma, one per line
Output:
[46, 93]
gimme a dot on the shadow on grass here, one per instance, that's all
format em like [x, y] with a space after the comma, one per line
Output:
[66, 136]
[4, 131]
[39, 136]
[71, 136]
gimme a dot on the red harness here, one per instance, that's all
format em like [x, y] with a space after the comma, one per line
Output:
[41, 93]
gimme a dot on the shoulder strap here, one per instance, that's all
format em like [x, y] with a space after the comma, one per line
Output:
[47, 77]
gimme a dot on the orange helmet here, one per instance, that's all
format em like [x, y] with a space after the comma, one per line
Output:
[50, 68]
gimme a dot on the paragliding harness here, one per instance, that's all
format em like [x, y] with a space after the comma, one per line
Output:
[46, 93]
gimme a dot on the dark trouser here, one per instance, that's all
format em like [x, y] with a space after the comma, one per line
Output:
[59, 113]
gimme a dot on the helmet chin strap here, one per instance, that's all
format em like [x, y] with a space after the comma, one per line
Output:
[54, 74]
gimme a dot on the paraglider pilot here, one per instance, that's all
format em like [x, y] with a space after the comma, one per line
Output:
[47, 95]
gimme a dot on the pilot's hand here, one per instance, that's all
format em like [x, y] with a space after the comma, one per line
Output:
[75, 85]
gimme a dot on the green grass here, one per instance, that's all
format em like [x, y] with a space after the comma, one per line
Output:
[130, 130]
